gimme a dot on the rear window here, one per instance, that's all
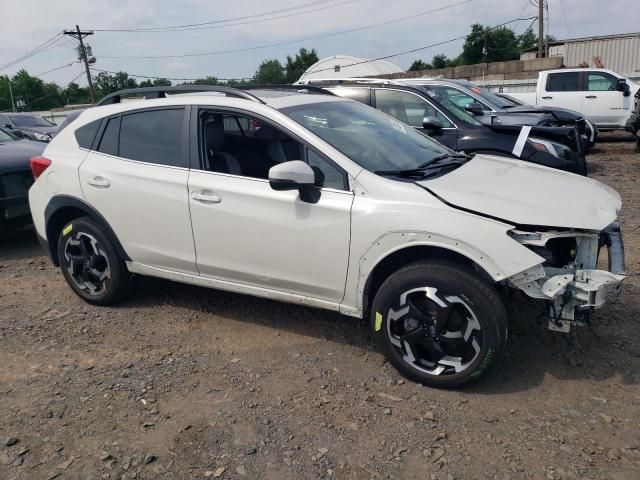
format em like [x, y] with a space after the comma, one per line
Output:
[87, 133]
[563, 82]
[155, 136]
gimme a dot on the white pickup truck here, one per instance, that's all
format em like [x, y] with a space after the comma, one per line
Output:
[602, 96]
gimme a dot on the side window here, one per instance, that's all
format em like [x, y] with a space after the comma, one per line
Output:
[110, 137]
[563, 82]
[154, 136]
[358, 94]
[407, 107]
[86, 134]
[457, 97]
[328, 175]
[243, 145]
[601, 82]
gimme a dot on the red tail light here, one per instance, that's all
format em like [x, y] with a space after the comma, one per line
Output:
[39, 165]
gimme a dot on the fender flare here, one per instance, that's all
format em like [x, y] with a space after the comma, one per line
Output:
[393, 242]
[59, 202]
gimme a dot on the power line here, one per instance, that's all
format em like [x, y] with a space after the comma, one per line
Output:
[223, 24]
[31, 53]
[413, 50]
[54, 69]
[218, 21]
[564, 16]
[289, 42]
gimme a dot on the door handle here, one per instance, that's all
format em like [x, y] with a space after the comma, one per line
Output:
[206, 197]
[591, 96]
[99, 182]
[547, 98]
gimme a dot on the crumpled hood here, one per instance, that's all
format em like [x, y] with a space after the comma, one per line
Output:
[15, 156]
[526, 194]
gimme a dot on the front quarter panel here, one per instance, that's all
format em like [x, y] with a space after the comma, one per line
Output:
[410, 216]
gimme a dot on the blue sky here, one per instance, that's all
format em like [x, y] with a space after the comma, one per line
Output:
[26, 24]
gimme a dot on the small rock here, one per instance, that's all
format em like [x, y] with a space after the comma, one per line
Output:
[9, 441]
[18, 461]
[149, 457]
[219, 471]
[429, 415]
[241, 470]
[387, 411]
[250, 451]
[491, 419]
[438, 453]
[235, 360]
[104, 456]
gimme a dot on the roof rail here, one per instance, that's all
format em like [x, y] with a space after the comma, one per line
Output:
[297, 88]
[161, 92]
[333, 81]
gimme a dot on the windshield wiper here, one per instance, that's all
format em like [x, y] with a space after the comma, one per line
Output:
[455, 159]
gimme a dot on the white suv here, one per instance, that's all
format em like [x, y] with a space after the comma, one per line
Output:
[301, 196]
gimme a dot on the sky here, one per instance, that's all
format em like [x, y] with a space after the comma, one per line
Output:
[27, 24]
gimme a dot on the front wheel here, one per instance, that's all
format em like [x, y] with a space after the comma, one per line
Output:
[439, 324]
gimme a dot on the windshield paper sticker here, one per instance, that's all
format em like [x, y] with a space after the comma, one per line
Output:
[398, 126]
[522, 140]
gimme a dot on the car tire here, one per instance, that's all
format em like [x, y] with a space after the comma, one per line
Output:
[90, 263]
[439, 323]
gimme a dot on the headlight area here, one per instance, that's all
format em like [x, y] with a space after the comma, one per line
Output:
[556, 149]
[568, 278]
[41, 137]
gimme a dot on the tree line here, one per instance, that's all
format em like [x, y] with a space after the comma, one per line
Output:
[40, 95]
[484, 45]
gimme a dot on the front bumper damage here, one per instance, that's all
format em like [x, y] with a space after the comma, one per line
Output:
[573, 290]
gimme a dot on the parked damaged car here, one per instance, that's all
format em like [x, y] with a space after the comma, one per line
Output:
[15, 179]
[321, 201]
[28, 126]
[456, 128]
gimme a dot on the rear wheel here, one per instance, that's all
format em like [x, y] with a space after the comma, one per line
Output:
[90, 263]
[439, 324]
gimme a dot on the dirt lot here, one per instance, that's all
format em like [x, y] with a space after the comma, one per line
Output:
[183, 382]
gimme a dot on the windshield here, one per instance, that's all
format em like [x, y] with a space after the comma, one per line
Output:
[454, 109]
[492, 98]
[29, 121]
[5, 137]
[370, 138]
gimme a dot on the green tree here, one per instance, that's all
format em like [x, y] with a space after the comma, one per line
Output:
[270, 71]
[36, 94]
[419, 65]
[74, 94]
[107, 83]
[296, 66]
[209, 80]
[473, 48]
[528, 40]
[486, 44]
[442, 61]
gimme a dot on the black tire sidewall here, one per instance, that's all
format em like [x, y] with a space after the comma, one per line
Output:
[119, 275]
[483, 299]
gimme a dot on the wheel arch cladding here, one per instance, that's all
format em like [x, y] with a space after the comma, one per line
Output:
[61, 210]
[404, 256]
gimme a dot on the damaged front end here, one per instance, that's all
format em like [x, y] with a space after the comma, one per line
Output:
[569, 279]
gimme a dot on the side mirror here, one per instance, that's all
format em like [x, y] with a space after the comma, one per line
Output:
[623, 86]
[295, 175]
[8, 126]
[475, 108]
[432, 125]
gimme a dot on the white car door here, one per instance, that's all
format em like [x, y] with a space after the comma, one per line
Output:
[562, 90]
[137, 180]
[248, 233]
[603, 103]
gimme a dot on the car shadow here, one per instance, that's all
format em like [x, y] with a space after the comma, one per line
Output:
[532, 353]
[19, 244]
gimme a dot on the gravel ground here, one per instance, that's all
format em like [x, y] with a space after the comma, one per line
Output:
[184, 382]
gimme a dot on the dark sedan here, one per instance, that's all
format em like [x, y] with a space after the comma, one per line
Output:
[15, 179]
[453, 126]
[29, 126]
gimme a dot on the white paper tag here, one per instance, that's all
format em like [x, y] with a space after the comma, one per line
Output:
[522, 140]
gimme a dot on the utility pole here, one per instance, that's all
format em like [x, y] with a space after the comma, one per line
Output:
[540, 28]
[79, 35]
[13, 104]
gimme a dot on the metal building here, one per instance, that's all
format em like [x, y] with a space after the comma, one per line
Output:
[620, 53]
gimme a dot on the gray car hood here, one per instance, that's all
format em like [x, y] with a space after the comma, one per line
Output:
[526, 194]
